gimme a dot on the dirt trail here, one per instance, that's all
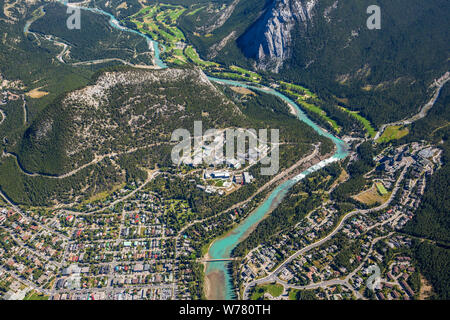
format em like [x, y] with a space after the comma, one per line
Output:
[97, 159]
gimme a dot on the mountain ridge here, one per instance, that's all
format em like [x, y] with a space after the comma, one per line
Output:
[268, 40]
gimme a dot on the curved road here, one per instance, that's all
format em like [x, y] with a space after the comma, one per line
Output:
[337, 281]
[273, 275]
[96, 160]
[265, 186]
[438, 84]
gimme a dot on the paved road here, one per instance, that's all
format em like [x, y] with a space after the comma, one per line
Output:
[273, 275]
[96, 160]
[343, 282]
[265, 186]
[439, 84]
[152, 175]
[27, 218]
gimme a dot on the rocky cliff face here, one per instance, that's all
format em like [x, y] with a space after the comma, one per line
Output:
[268, 40]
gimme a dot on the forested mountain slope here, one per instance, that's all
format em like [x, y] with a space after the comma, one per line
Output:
[326, 46]
[120, 111]
[432, 220]
[87, 133]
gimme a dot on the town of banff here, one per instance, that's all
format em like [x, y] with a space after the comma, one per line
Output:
[224, 158]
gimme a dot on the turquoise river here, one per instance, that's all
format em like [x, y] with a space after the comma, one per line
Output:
[222, 247]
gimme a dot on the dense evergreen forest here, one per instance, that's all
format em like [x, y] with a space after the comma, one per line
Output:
[160, 110]
[384, 74]
[434, 263]
[356, 170]
[432, 219]
[95, 39]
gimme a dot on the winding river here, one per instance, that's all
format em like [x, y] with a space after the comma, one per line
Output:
[221, 248]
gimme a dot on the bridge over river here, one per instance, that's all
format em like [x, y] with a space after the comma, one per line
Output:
[216, 260]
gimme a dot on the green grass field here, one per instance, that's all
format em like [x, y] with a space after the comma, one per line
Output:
[273, 289]
[320, 112]
[302, 94]
[372, 196]
[195, 58]
[293, 294]
[159, 21]
[393, 133]
[366, 123]
[301, 91]
[381, 189]
[35, 296]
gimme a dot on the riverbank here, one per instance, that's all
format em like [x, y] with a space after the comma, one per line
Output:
[297, 170]
[216, 277]
[223, 247]
[212, 291]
